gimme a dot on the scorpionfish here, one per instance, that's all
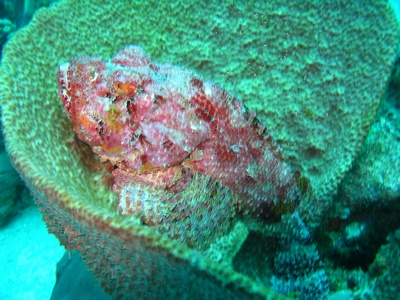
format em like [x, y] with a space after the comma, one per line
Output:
[188, 157]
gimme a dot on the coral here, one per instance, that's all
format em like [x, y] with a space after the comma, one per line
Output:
[14, 14]
[310, 71]
[291, 263]
[134, 262]
[346, 282]
[299, 271]
[353, 242]
[312, 118]
[387, 269]
[291, 228]
[371, 183]
[354, 245]
[309, 57]
[323, 88]
[384, 271]
[225, 248]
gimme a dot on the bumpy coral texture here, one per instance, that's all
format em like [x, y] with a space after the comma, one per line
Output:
[166, 130]
[316, 68]
[299, 271]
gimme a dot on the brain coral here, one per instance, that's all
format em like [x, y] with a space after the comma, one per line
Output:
[314, 72]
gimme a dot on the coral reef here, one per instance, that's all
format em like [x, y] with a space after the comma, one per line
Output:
[298, 268]
[384, 272]
[371, 183]
[322, 88]
[301, 75]
[290, 264]
[366, 208]
[386, 269]
[313, 71]
[299, 272]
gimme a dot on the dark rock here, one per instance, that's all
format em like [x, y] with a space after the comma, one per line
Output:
[76, 281]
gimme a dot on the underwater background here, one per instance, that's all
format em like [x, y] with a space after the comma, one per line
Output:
[322, 76]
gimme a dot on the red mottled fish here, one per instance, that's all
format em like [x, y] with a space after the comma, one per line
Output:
[188, 157]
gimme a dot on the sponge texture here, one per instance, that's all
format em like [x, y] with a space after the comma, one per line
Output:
[314, 72]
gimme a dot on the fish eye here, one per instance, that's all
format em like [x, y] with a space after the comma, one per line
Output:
[93, 76]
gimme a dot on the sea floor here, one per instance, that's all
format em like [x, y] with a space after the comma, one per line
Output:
[28, 257]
